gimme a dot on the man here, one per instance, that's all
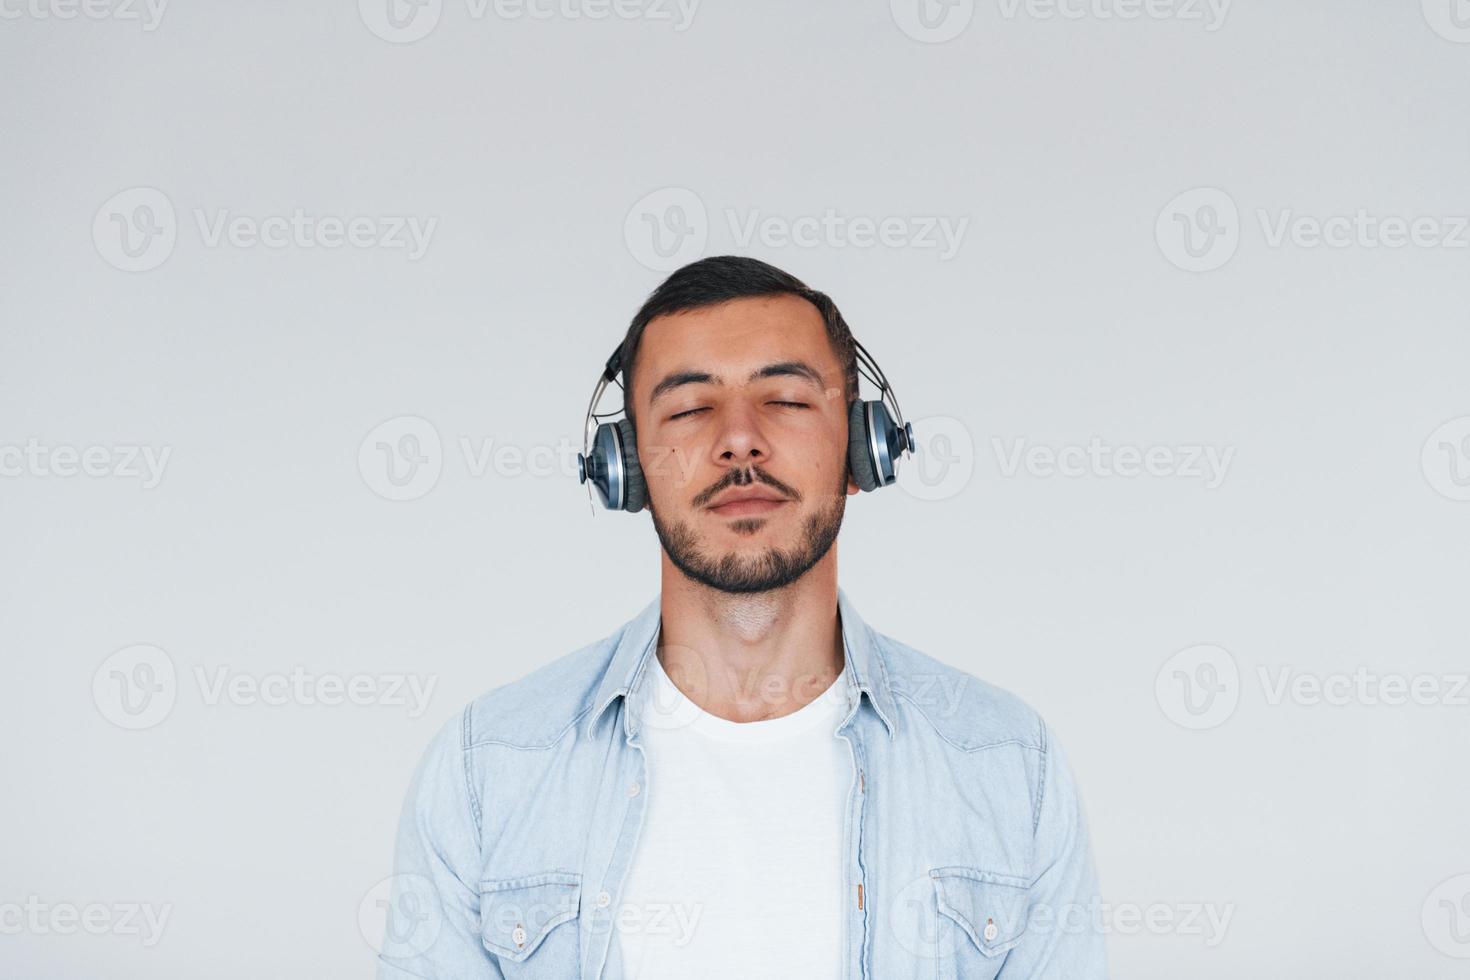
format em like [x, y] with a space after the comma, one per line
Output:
[745, 780]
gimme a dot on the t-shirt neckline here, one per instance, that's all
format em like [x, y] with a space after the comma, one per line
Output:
[667, 708]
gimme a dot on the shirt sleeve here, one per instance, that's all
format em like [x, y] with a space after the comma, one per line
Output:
[1063, 937]
[432, 926]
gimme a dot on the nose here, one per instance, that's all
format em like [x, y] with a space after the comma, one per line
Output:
[740, 441]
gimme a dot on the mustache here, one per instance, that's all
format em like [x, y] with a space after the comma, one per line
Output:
[744, 476]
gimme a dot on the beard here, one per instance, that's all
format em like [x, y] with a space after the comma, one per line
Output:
[771, 569]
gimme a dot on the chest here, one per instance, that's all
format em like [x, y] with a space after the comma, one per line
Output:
[738, 869]
[856, 857]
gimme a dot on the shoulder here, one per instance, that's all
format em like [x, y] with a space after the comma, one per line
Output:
[964, 710]
[537, 710]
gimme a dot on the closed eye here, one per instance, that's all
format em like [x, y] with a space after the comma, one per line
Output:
[692, 411]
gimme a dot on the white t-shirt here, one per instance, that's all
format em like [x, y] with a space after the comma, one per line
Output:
[738, 872]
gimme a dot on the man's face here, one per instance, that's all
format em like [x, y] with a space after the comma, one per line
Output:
[742, 436]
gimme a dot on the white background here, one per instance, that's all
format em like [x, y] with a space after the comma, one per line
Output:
[1332, 834]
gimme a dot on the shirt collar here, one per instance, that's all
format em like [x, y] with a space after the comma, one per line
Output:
[866, 670]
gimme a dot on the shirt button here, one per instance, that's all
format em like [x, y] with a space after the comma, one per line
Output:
[634, 788]
[603, 900]
[519, 936]
[991, 931]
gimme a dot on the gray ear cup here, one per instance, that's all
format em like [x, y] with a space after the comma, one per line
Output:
[874, 444]
[859, 446]
[636, 491]
[612, 467]
[603, 466]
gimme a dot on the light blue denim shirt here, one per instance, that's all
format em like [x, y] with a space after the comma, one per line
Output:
[966, 847]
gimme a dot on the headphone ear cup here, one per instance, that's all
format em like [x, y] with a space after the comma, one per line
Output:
[859, 450]
[636, 494]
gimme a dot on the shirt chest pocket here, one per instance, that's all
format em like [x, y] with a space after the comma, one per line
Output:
[530, 924]
[982, 915]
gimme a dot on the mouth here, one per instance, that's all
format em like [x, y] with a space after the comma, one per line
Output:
[747, 505]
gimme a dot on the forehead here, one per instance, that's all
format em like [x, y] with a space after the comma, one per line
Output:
[734, 336]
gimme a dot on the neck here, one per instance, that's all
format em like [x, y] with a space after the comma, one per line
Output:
[749, 657]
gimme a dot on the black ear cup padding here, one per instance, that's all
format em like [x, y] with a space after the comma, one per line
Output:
[859, 452]
[636, 494]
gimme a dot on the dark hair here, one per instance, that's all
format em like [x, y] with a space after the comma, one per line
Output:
[719, 279]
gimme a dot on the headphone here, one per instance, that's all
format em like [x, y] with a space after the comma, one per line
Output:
[876, 440]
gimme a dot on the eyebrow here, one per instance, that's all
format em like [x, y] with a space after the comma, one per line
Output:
[782, 369]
